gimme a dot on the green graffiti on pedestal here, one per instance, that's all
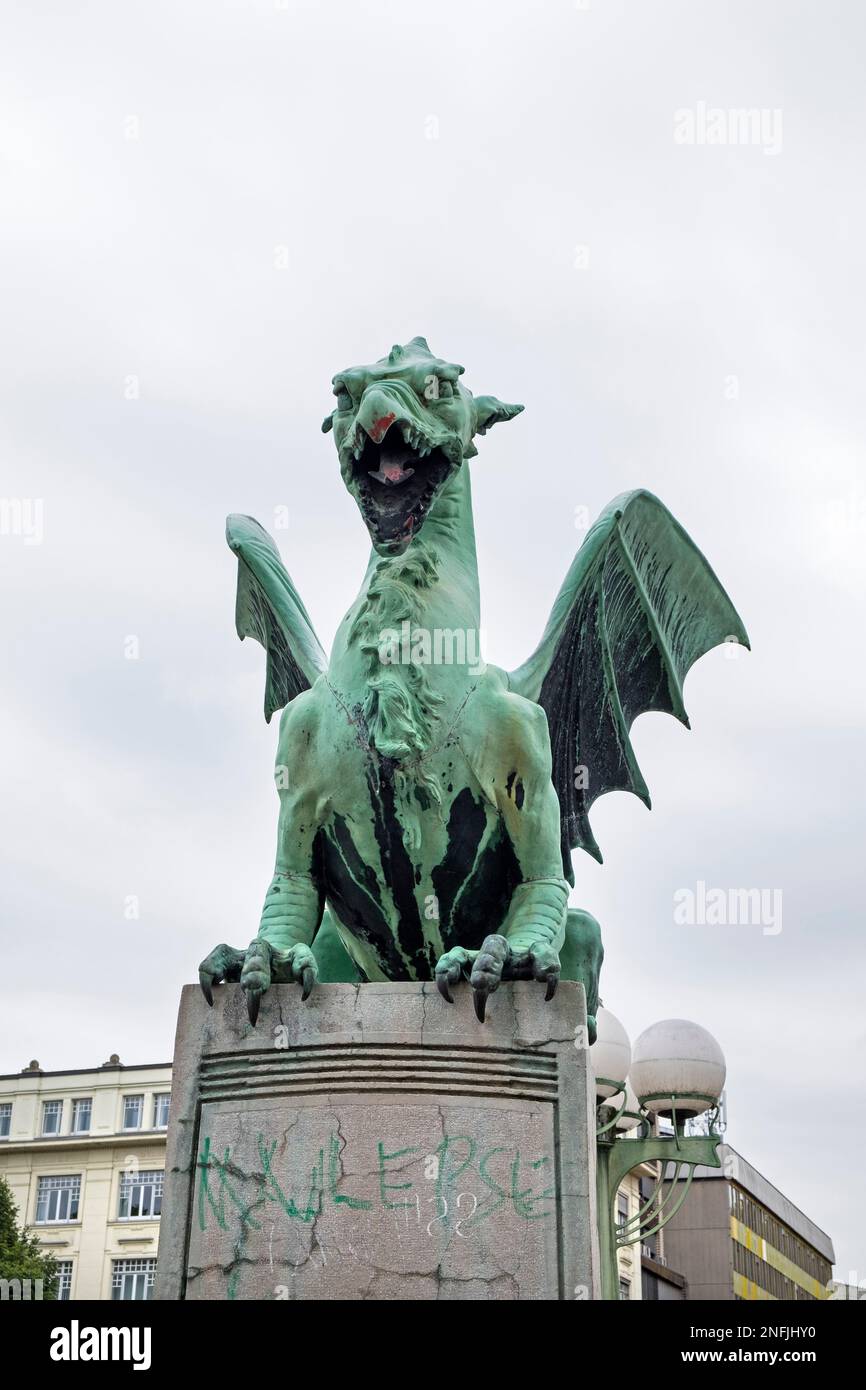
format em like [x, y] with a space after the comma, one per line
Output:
[461, 1184]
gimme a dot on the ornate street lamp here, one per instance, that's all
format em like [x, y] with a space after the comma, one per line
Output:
[676, 1070]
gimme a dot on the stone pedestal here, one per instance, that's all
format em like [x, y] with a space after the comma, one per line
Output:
[379, 1143]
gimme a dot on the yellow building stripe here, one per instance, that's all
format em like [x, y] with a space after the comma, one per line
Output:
[773, 1257]
[747, 1288]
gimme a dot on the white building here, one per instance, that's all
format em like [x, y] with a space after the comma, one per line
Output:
[84, 1155]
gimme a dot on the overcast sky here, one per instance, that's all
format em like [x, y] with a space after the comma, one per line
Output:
[208, 210]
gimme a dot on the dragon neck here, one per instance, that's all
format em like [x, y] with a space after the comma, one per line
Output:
[453, 598]
[432, 587]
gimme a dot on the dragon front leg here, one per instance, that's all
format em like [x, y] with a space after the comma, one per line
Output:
[281, 952]
[513, 764]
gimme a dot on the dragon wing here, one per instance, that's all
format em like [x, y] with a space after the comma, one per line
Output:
[269, 609]
[637, 609]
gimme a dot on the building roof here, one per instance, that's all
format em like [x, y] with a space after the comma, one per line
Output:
[737, 1169]
[87, 1071]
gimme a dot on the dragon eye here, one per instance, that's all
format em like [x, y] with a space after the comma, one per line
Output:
[344, 400]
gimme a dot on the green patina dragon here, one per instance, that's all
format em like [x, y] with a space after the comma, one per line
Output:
[429, 803]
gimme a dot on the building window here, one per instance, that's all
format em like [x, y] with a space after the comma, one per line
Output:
[132, 1279]
[57, 1199]
[133, 1109]
[64, 1280]
[81, 1112]
[625, 1288]
[622, 1209]
[52, 1114]
[140, 1196]
[161, 1105]
[5, 1118]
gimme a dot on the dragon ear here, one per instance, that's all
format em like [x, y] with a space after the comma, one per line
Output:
[489, 411]
[328, 422]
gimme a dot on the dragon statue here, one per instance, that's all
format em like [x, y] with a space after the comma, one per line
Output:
[429, 803]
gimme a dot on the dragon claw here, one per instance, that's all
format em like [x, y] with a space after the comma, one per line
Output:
[223, 964]
[263, 966]
[256, 976]
[295, 966]
[442, 986]
[451, 968]
[498, 960]
[479, 999]
[488, 971]
[495, 962]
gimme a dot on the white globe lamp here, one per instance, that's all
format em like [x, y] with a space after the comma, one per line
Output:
[677, 1069]
[610, 1055]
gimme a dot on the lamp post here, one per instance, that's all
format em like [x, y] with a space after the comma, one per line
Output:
[675, 1070]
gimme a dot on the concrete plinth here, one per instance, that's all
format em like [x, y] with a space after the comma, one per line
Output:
[377, 1142]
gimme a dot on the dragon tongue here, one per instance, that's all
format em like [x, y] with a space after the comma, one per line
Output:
[392, 473]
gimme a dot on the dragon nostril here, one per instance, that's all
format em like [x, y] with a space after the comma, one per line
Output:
[380, 427]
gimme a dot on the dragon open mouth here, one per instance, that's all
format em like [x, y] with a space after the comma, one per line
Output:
[397, 480]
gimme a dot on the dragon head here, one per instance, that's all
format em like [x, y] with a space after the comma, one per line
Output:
[403, 426]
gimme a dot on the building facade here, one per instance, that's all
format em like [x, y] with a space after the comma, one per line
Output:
[84, 1155]
[628, 1256]
[738, 1237]
[644, 1271]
